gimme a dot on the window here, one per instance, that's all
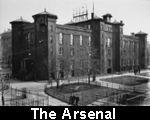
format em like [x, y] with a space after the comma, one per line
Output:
[72, 51]
[102, 26]
[128, 44]
[61, 51]
[71, 40]
[81, 64]
[123, 44]
[51, 28]
[72, 64]
[108, 42]
[89, 26]
[109, 62]
[51, 50]
[89, 40]
[51, 39]
[137, 45]
[132, 45]
[81, 40]
[60, 38]
[133, 53]
[29, 38]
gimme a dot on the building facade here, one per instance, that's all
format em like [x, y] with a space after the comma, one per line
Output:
[44, 49]
[36, 45]
[148, 55]
[6, 49]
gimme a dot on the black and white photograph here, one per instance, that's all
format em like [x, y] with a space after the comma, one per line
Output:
[75, 53]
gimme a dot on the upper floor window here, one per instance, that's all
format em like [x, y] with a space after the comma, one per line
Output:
[123, 44]
[128, 44]
[89, 26]
[81, 40]
[71, 39]
[89, 40]
[102, 26]
[51, 28]
[60, 38]
[72, 64]
[51, 50]
[109, 62]
[51, 39]
[72, 51]
[29, 38]
[137, 45]
[108, 42]
[61, 51]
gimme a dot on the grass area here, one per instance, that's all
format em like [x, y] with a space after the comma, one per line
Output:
[87, 93]
[127, 80]
[145, 74]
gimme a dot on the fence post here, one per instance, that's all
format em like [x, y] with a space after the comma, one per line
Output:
[43, 101]
[47, 101]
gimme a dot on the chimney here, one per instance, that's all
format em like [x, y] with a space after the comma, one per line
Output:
[121, 21]
[132, 34]
[92, 15]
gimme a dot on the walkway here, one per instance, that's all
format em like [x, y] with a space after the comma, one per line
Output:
[39, 86]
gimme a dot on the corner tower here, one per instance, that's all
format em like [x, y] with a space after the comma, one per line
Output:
[45, 24]
[142, 49]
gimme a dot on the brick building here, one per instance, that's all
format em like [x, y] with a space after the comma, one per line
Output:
[118, 52]
[38, 47]
[6, 49]
[34, 43]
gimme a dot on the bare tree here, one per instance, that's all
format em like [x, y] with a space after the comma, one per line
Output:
[93, 62]
[4, 84]
[57, 68]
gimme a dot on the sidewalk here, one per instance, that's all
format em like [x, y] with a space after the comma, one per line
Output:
[39, 86]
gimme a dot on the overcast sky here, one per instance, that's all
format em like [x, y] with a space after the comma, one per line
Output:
[135, 14]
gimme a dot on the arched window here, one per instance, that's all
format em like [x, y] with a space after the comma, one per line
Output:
[89, 40]
[71, 39]
[60, 38]
[51, 39]
[81, 40]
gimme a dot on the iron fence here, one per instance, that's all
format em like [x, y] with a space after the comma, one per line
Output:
[24, 97]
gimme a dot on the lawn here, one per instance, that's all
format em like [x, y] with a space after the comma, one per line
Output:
[87, 93]
[127, 80]
[145, 74]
